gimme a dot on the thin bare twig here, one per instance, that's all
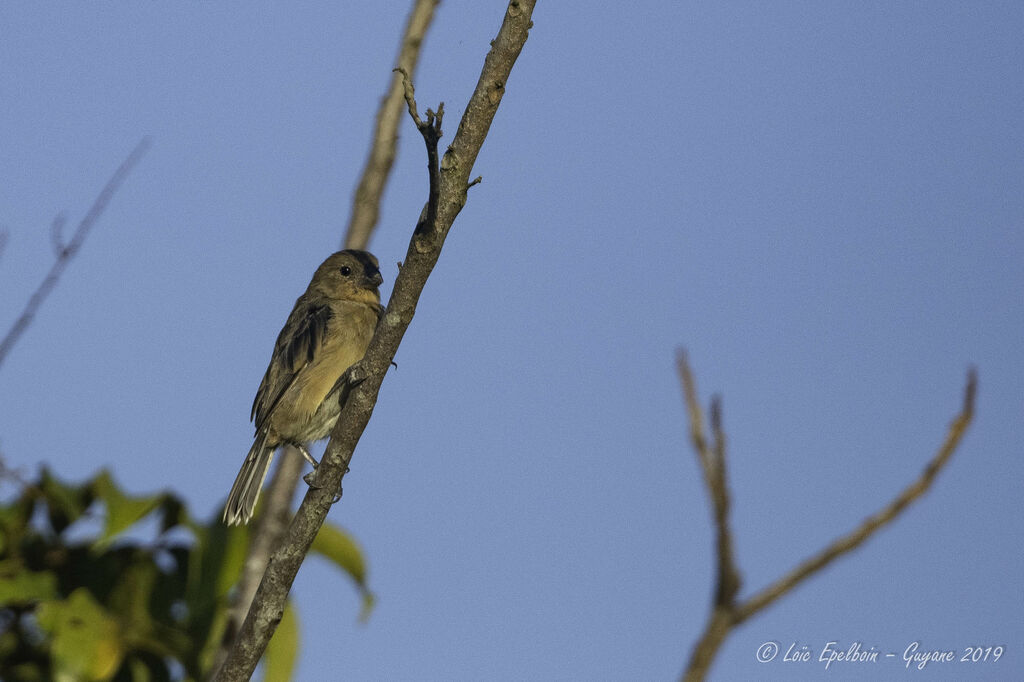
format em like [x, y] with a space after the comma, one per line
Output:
[57, 234]
[700, 444]
[424, 249]
[13, 475]
[726, 612]
[712, 461]
[68, 251]
[728, 574]
[366, 205]
[431, 132]
[873, 523]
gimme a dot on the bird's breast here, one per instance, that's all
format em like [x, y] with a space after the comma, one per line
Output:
[303, 416]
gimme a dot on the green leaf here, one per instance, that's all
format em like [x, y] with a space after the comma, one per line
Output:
[65, 503]
[130, 598]
[19, 585]
[283, 648]
[123, 511]
[86, 641]
[14, 521]
[138, 670]
[172, 513]
[215, 564]
[338, 546]
[341, 548]
[216, 559]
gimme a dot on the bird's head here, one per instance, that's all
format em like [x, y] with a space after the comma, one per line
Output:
[351, 275]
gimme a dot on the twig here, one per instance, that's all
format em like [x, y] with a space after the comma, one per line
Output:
[700, 444]
[712, 461]
[409, 94]
[366, 205]
[68, 251]
[275, 513]
[268, 604]
[728, 574]
[870, 525]
[726, 612]
[57, 234]
[431, 132]
[11, 474]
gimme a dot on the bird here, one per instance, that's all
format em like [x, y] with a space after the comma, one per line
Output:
[297, 402]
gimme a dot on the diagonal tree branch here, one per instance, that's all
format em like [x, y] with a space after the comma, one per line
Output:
[366, 377]
[275, 511]
[65, 252]
[726, 612]
[873, 523]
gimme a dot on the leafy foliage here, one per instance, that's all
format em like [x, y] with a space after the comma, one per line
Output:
[80, 600]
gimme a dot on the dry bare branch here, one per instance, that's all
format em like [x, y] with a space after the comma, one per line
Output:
[712, 460]
[366, 377]
[68, 251]
[57, 234]
[275, 513]
[870, 525]
[726, 612]
[366, 205]
[276, 507]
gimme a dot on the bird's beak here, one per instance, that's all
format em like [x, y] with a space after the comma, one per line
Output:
[376, 279]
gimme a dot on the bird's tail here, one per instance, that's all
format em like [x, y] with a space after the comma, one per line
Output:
[246, 490]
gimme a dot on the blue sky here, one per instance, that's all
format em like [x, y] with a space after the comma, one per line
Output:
[822, 201]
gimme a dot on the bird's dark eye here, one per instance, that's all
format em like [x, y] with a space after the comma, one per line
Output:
[346, 270]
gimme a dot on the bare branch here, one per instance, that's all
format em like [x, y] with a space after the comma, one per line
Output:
[409, 94]
[874, 522]
[431, 132]
[275, 513]
[424, 250]
[366, 205]
[712, 461]
[57, 234]
[69, 251]
[12, 475]
[726, 613]
[362, 221]
[700, 443]
[728, 574]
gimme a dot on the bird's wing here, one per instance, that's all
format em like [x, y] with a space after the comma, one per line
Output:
[303, 334]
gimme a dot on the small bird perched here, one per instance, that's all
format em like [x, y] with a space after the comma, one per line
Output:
[297, 402]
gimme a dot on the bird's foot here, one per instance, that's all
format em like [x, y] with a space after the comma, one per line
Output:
[309, 457]
[337, 497]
